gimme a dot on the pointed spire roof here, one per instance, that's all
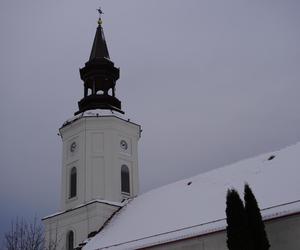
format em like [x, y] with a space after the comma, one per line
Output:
[99, 49]
[99, 76]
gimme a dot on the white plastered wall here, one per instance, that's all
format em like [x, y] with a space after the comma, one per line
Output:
[283, 234]
[82, 221]
[98, 158]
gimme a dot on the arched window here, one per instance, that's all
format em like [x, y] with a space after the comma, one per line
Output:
[70, 240]
[73, 183]
[125, 184]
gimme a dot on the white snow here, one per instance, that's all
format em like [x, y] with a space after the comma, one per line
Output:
[96, 113]
[117, 204]
[178, 210]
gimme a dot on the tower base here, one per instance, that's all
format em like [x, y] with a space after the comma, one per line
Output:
[83, 221]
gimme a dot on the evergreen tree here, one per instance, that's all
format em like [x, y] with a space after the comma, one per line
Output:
[237, 231]
[255, 223]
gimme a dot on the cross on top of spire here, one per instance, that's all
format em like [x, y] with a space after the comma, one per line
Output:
[100, 13]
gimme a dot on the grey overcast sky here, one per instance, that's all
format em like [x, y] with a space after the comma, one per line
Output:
[210, 81]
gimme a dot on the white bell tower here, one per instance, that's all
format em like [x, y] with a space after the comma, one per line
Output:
[99, 156]
[100, 160]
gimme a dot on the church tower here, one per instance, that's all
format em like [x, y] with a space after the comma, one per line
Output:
[99, 156]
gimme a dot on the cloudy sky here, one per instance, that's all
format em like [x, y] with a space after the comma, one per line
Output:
[211, 82]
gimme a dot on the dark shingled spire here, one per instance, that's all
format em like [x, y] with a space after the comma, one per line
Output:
[99, 49]
[99, 76]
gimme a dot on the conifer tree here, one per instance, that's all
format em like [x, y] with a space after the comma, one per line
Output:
[237, 231]
[255, 223]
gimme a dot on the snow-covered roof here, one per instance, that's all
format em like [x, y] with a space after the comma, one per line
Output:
[196, 206]
[112, 203]
[95, 113]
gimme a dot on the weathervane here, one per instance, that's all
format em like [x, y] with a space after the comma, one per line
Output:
[100, 13]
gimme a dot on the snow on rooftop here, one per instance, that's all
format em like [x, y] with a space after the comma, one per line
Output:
[95, 113]
[117, 204]
[196, 205]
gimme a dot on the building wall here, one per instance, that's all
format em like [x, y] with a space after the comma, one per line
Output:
[98, 158]
[283, 234]
[82, 221]
[93, 146]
